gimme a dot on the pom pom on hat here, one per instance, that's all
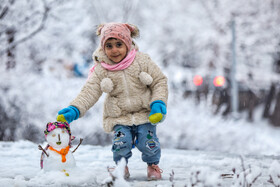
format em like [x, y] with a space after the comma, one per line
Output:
[145, 78]
[106, 85]
[134, 30]
[99, 28]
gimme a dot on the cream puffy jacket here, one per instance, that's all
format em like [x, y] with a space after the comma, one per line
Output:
[129, 92]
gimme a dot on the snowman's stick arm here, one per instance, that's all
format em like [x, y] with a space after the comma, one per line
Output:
[81, 140]
[41, 148]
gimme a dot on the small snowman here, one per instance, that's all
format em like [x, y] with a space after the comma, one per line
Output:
[57, 154]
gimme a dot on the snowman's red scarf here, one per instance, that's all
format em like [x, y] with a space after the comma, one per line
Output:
[62, 152]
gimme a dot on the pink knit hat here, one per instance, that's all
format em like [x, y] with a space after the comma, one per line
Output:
[121, 31]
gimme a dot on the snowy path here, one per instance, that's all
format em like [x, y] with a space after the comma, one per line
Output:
[20, 167]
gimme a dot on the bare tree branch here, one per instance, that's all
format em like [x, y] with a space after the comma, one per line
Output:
[4, 12]
[5, 9]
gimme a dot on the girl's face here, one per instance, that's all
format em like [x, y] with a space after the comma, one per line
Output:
[115, 49]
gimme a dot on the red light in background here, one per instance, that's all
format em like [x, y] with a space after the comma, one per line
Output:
[219, 81]
[197, 80]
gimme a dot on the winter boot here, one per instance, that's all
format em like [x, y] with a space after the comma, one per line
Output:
[154, 172]
[126, 172]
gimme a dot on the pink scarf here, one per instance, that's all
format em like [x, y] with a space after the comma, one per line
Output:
[121, 65]
[125, 63]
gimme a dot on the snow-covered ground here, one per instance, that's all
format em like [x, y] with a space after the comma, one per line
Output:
[212, 144]
[20, 167]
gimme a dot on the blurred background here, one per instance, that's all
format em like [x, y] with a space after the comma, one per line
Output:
[222, 59]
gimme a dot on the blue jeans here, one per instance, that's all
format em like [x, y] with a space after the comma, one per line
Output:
[142, 136]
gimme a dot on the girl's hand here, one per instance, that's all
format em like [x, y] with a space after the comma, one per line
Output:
[158, 112]
[68, 114]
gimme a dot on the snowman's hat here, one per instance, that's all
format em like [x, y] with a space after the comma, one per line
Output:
[59, 124]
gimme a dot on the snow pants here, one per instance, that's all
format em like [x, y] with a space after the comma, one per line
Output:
[142, 136]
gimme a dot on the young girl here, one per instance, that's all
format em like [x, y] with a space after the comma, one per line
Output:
[136, 99]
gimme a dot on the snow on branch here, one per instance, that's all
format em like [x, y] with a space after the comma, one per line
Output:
[30, 35]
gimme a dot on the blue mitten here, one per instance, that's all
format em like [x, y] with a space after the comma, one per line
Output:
[68, 114]
[158, 112]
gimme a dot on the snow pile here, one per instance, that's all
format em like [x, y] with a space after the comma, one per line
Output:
[117, 176]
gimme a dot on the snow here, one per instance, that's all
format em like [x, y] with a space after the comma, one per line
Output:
[117, 176]
[193, 126]
[196, 144]
[20, 167]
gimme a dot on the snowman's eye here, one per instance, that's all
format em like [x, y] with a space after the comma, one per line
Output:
[63, 131]
[53, 135]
